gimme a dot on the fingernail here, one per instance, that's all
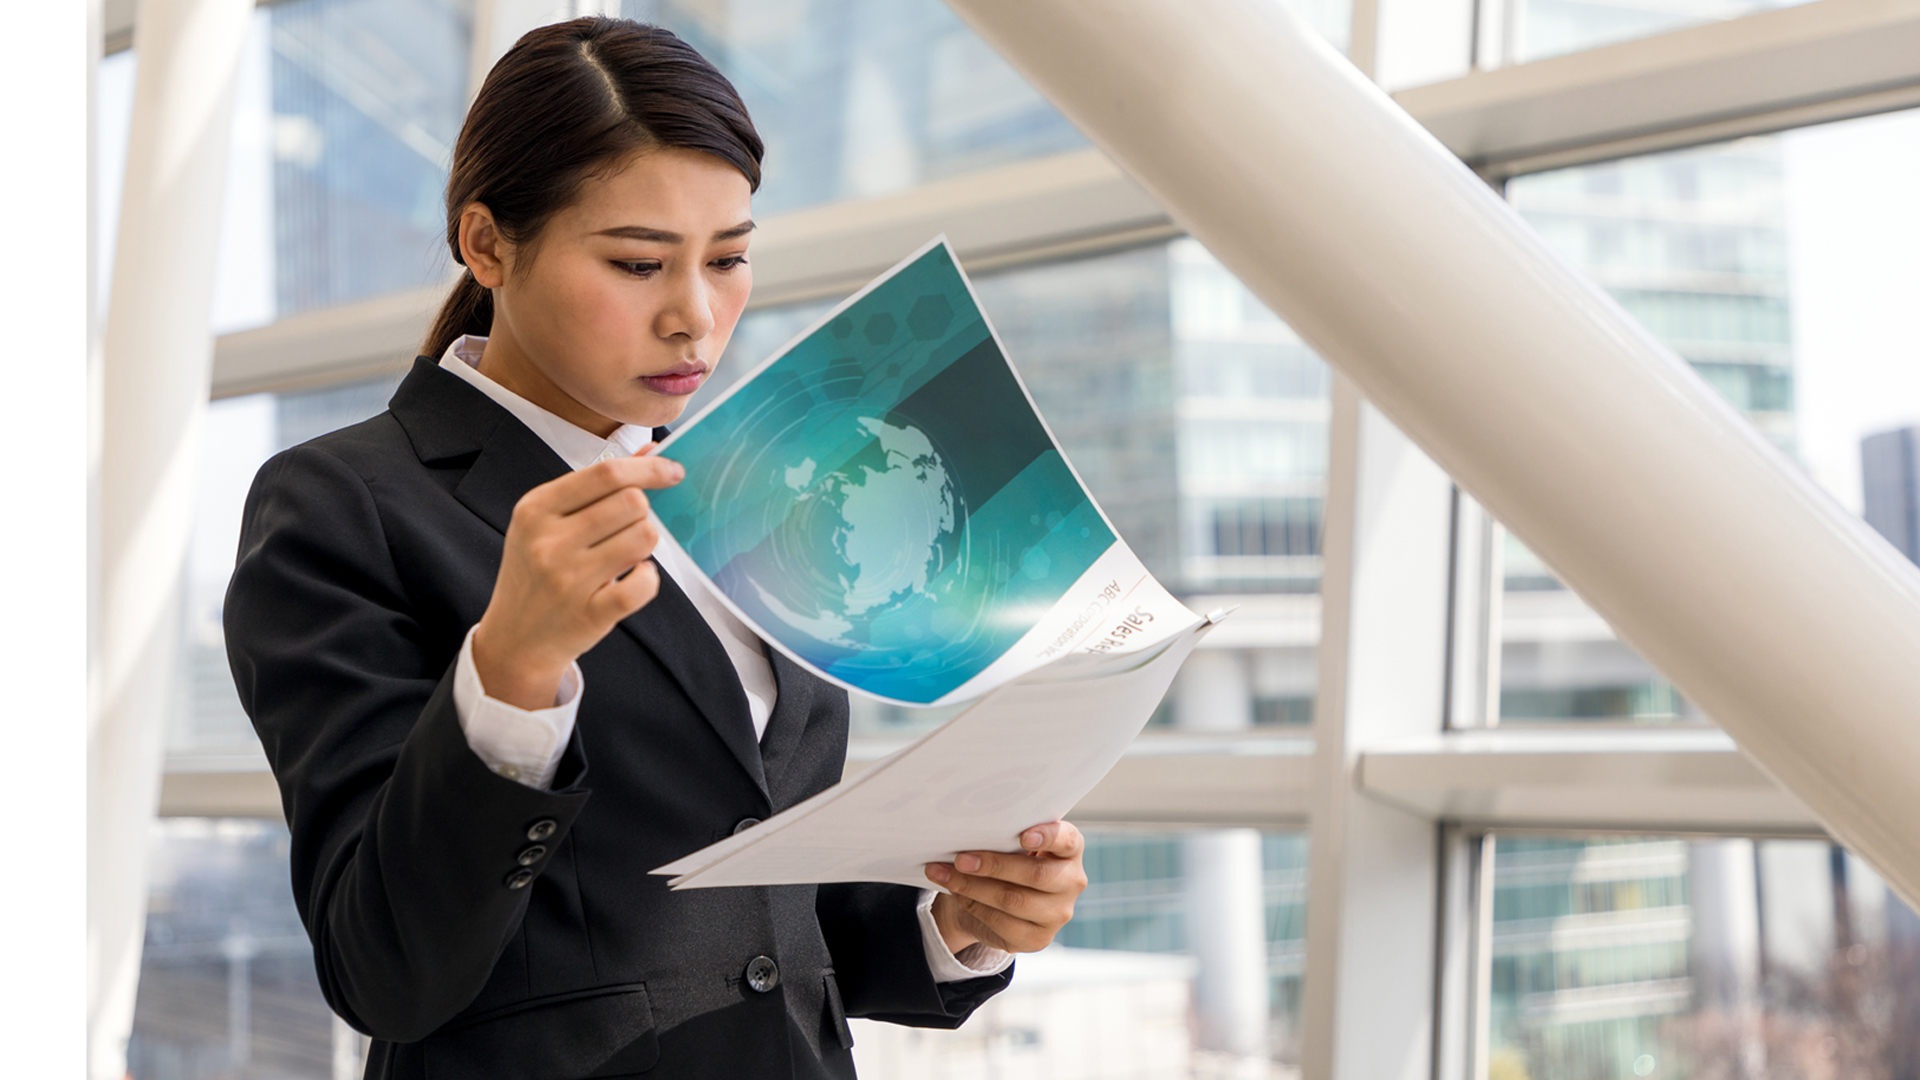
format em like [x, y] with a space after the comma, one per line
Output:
[1034, 838]
[939, 872]
[678, 471]
[967, 864]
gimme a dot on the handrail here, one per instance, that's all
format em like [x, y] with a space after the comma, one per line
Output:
[1782, 615]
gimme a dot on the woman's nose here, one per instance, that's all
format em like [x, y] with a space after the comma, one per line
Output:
[687, 310]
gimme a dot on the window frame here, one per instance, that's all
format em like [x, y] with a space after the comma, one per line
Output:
[1448, 767]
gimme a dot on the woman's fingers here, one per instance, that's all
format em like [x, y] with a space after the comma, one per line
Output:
[1022, 914]
[584, 487]
[626, 546]
[575, 563]
[595, 522]
[1057, 838]
[1018, 919]
[1020, 899]
[1043, 873]
[623, 596]
[594, 541]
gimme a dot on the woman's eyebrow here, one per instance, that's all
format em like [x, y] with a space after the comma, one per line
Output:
[663, 236]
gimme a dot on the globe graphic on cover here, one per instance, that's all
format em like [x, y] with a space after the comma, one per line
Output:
[861, 544]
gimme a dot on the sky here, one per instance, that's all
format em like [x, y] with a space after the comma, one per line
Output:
[1853, 239]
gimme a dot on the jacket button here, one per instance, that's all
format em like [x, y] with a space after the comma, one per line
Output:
[762, 974]
[532, 855]
[520, 878]
[542, 829]
[745, 824]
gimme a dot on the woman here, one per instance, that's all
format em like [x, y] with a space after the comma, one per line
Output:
[490, 712]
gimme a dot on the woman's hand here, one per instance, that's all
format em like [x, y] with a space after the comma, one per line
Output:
[575, 564]
[1013, 901]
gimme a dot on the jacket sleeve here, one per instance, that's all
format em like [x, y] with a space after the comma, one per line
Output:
[404, 844]
[873, 934]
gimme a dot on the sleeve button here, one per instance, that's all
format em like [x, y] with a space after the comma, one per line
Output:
[520, 878]
[542, 829]
[532, 855]
[745, 824]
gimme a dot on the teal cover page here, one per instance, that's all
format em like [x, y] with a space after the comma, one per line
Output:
[880, 499]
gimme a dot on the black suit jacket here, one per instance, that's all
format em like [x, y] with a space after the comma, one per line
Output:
[365, 556]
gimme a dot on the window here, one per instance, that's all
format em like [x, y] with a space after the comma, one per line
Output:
[857, 98]
[367, 99]
[1184, 958]
[1653, 956]
[860, 99]
[1544, 28]
[227, 987]
[1770, 265]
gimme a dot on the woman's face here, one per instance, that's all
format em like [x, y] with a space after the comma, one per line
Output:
[622, 307]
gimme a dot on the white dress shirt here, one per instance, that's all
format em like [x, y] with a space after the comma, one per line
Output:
[526, 745]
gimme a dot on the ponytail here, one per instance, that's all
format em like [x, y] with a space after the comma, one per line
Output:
[468, 310]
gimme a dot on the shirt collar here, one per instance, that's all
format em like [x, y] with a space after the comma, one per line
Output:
[576, 446]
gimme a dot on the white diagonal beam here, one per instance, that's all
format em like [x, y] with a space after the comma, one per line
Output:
[1788, 620]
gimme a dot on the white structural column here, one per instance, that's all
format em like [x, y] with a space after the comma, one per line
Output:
[1784, 617]
[158, 358]
[1226, 907]
[1373, 884]
[1724, 950]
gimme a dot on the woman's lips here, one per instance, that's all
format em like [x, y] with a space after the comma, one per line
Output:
[678, 380]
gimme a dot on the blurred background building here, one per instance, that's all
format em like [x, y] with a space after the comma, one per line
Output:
[1890, 473]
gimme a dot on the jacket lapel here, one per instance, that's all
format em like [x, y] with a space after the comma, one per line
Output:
[792, 705]
[445, 418]
[673, 629]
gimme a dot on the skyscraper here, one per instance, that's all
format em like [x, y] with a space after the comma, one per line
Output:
[1890, 475]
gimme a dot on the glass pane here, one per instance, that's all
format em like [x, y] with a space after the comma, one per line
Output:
[1546, 28]
[1184, 958]
[113, 125]
[1621, 957]
[1780, 268]
[344, 119]
[227, 987]
[858, 98]
[1199, 421]
[240, 435]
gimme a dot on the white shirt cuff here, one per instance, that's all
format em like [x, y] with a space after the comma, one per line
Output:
[976, 960]
[518, 744]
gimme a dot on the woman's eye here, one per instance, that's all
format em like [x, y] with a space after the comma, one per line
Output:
[637, 269]
[729, 262]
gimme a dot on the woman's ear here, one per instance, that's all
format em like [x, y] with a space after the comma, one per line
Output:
[484, 250]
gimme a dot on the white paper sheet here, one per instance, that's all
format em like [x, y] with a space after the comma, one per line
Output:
[1022, 756]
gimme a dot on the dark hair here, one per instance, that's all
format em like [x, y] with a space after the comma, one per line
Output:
[567, 101]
